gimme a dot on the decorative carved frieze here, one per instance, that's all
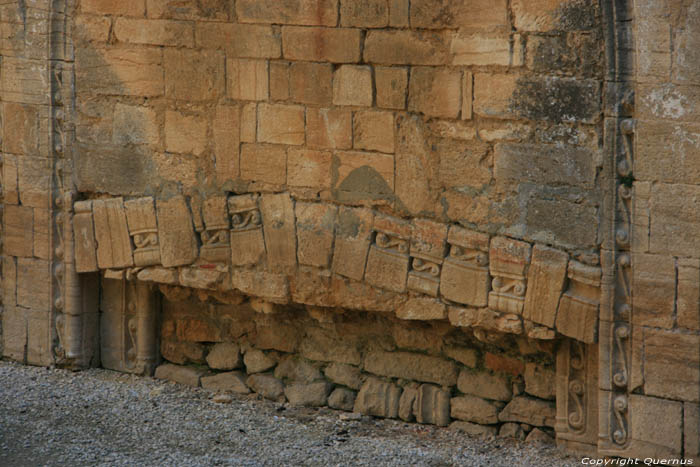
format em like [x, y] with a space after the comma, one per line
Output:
[427, 251]
[84, 238]
[216, 247]
[247, 243]
[388, 260]
[508, 263]
[465, 273]
[143, 228]
[578, 308]
[112, 234]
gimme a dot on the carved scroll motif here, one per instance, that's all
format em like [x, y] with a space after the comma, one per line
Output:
[215, 235]
[247, 242]
[388, 259]
[465, 272]
[509, 260]
[143, 228]
[577, 316]
[427, 250]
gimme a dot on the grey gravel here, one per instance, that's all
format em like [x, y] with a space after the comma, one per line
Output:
[99, 417]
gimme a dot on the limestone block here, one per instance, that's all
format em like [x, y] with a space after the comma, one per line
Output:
[654, 283]
[422, 309]
[178, 245]
[545, 279]
[647, 440]
[391, 84]
[672, 365]
[33, 278]
[485, 385]
[311, 83]
[508, 262]
[406, 47]
[247, 79]
[539, 381]
[256, 361]
[297, 370]
[14, 333]
[275, 335]
[493, 94]
[546, 15]
[24, 129]
[216, 245]
[672, 224]
[427, 250]
[249, 123]
[279, 227]
[246, 237]
[18, 234]
[154, 32]
[473, 409]
[23, 80]
[374, 131]
[84, 237]
[688, 293]
[186, 375]
[315, 230]
[464, 355]
[482, 48]
[182, 352]
[432, 405]
[109, 7]
[267, 386]
[194, 75]
[438, 14]
[363, 176]
[111, 233]
[239, 40]
[328, 128]
[411, 366]
[270, 286]
[346, 375]
[9, 281]
[308, 395]
[309, 168]
[304, 12]
[398, 13]
[465, 275]
[352, 241]
[524, 409]
[378, 398]
[342, 399]
[224, 356]
[512, 430]
[279, 81]
[474, 429]
[691, 430]
[10, 179]
[388, 260]
[364, 13]
[435, 92]
[34, 176]
[577, 316]
[232, 381]
[281, 124]
[160, 275]
[264, 163]
[352, 85]
[335, 45]
[141, 220]
[407, 401]
[185, 133]
[324, 346]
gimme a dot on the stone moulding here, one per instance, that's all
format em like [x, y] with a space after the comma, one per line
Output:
[250, 244]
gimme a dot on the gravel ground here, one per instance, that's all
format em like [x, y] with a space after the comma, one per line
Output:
[100, 417]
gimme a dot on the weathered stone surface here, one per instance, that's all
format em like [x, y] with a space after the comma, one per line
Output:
[18, 238]
[512, 430]
[315, 227]
[540, 381]
[342, 399]
[482, 48]
[528, 410]
[346, 375]
[267, 285]
[378, 398]
[406, 47]
[247, 243]
[465, 356]
[178, 245]
[308, 168]
[352, 85]
[154, 32]
[311, 83]
[688, 293]
[180, 374]
[672, 223]
[31, 273]
[672, 365]
[435, 92]
[141, 219]
[328, 128]
[465, 275]
[322, 346]
[111, 233]
[279, 228]
[264, 163]
[194, 75]
[374, 131]
[297, 370]
[691, 430]
[267, 386]
[474, 429]
[492, 95]
[281, 124]
[578, 308]
[353, 234]
[486, 319]
[407, 401]
[546, 276]
[122, 71]
[391, 84]
[256, 361]
[233, 381]
[439, 14]
[652, 413]
[484, 385]
[473, 409]
[306, 12]
[239, 40]
[422, 309]
[411, 366]
[14, 329]
[247, 79]
[181, 353]
[654, 283]
[432, 405]
[308, 395]
[333, 45]
[224, 356]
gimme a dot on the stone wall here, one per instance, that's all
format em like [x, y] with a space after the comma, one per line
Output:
[437, 188]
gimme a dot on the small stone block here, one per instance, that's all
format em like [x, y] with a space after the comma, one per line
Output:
[141, 219]
[315, 231]
[279, 228]
[352, 241]
[178, 245]
[545, 280]
[84, 238]
[179, 374]
[111, 233]
[247, 243]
